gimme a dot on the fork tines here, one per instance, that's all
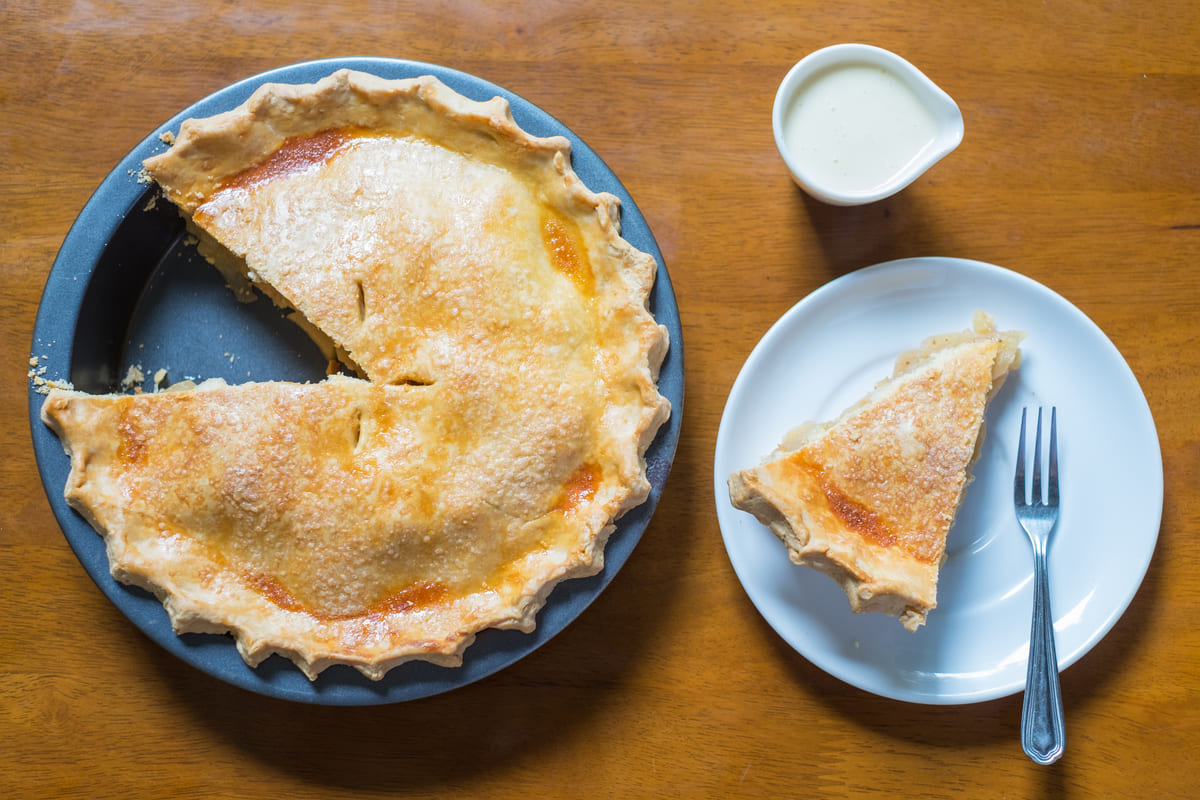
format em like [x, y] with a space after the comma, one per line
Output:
[1019, 494]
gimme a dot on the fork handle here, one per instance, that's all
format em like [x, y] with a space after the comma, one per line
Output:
[1043, 735]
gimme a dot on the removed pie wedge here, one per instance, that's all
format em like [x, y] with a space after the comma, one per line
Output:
[870, 497]
[507, 392]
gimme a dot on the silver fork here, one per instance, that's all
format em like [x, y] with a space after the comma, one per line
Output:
[1042, 729]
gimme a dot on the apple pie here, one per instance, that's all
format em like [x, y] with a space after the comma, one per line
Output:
[503, 397]
[870, 497]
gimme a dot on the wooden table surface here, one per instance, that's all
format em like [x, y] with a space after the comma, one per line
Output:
[1080, 168]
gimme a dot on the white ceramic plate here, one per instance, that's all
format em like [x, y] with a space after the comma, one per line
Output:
[828, 351]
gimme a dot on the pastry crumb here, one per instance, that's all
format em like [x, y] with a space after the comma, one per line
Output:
[160, 379]
[133, 377]
[167, 138]
[43, 386]
[37, 375]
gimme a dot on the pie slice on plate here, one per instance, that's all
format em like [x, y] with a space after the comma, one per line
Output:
[505, 395]
[870, 497]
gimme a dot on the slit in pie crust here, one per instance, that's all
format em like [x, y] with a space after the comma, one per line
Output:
[870, 497]
[505, 397]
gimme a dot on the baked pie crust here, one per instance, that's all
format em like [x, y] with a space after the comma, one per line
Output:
[870, 497]
[505, 396]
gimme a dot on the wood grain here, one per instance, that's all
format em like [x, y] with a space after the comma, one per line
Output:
[1080, 168]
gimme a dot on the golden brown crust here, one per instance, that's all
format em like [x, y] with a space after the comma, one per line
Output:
[500, 321]
[328, 522]
[870, 497]
[210, 152]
